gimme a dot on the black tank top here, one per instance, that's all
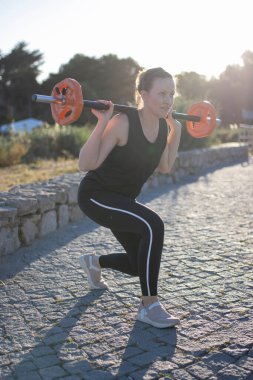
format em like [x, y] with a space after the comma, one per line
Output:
[127, 168]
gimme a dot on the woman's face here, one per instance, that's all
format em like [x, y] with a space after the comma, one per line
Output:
[159, 99]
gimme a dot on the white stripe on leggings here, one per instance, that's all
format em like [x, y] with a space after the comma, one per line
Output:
[150, 230]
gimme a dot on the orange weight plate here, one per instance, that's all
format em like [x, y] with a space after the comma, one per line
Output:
[70, 91]
[206, 125]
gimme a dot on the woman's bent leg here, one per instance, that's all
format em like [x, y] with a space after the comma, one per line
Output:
[122, 214]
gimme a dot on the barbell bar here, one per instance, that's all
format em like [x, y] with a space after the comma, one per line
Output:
[101, 106]
[67, 103]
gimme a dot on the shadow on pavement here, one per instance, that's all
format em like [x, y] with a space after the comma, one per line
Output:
[59, 351]
[153, 348]
[52, 354]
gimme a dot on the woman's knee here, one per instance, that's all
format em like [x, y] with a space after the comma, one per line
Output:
[156, 224]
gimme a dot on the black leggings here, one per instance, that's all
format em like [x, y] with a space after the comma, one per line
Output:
[138, 229]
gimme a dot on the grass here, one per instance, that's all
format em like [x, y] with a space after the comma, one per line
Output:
[35, 172]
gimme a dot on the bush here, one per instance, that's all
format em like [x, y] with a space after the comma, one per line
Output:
[70, 140]
[218, 136]
[66, 142]
[42, 143]
[12, 150]
[57, 141]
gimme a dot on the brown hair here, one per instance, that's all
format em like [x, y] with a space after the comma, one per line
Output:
[145, 80]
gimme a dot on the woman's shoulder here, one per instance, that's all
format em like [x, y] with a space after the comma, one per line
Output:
[120, 118]
[119, 121]
[120, 126]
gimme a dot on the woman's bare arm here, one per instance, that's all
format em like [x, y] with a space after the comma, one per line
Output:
[107, 134]
[170, 152]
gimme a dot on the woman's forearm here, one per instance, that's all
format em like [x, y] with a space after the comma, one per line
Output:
[173, 144]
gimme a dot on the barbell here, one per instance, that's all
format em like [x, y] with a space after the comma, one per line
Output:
[67, 104]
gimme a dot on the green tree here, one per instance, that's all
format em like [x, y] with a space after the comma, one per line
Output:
[117, 78]
[81, 68]
[107, 77]
[192, 88]
[191, 85]
[233, 91]
[226, 92]
[18, 72]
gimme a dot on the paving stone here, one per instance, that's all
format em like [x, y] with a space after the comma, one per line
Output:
[200, 371]
[144, 374]
[217, 361]
[181, 374]
[233, 372]
[182, 360]
[24, 367]
[6, 373]
[54, 327]
[251, 353]
[131, 351]
[246, 363]
[142, 359]
[56, 338]
[4, 360]
[77, 367]
[31, 375]
[42, 351]
[68, 322]
[46, 361]
[163, 367]
[236, 351]
[51, 373]
[98, 375]
[122, 369]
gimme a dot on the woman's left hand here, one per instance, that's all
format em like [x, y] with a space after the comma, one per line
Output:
[172, 123]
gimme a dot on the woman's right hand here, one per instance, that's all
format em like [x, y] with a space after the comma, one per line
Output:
[104, 115]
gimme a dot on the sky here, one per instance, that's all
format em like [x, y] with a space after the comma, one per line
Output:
[204, 36]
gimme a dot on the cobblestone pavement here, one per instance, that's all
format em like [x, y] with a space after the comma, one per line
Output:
[54, 327]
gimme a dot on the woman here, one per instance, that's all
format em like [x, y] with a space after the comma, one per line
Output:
[120, 155]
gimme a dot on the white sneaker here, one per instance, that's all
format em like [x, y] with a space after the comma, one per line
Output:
[156, 315]
[91, 266]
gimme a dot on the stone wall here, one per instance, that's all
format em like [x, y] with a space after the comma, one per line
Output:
[29, 212]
